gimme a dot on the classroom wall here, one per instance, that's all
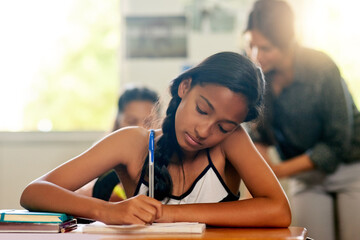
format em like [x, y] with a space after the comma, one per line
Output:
[25, 156]
[201, 43]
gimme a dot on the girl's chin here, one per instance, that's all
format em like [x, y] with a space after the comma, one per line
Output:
[186, 147]
[189, 145]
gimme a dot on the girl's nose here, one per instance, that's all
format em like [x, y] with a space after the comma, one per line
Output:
[203, 130]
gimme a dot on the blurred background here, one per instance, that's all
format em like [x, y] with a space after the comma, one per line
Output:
[64, 63]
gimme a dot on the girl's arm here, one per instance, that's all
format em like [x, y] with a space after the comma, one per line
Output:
[55, 190]
[269, 206]
[87, 189]
[263, 150]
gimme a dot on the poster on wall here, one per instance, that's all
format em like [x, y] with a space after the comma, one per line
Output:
[156, 37]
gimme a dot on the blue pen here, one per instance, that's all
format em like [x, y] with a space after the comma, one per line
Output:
[151, 163]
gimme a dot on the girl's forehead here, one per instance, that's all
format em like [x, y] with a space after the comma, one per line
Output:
[211, 88]
[224, 101]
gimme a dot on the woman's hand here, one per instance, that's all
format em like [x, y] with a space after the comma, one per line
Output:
[136, 210]
[293, 166]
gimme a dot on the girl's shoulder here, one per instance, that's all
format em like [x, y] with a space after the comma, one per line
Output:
[238, 139]
[134, 133]
[129, 143]
[238, 133]
[128, 135]
[133, 136]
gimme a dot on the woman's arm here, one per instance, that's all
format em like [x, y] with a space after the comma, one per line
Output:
[55, 190]
[293, 166]
[336, 109]
[269, 206]
[286, 168]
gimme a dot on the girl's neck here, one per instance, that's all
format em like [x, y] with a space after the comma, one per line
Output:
[185, 157]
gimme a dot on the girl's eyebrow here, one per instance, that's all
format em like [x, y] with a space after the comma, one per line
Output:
[212, 107]
[207, 101]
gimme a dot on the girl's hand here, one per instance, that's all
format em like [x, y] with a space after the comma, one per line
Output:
[168, 214]
[136, 210]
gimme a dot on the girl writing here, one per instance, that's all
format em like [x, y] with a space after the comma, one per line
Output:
[202, 153]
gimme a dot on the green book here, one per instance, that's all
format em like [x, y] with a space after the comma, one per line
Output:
[25, 216]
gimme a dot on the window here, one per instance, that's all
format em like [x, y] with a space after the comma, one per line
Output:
[59, 64]
[329, 26]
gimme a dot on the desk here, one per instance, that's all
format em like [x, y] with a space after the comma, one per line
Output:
[291, 233]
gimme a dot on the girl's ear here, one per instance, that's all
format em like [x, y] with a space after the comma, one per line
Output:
[184, 87]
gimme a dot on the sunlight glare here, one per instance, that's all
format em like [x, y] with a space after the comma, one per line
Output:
[30, 31]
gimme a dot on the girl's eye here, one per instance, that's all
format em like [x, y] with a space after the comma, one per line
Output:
[200, 111]
[222, 129]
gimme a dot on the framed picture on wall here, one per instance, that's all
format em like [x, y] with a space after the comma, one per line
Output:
[156, 37]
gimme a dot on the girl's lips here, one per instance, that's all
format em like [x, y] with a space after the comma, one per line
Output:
[191, 140]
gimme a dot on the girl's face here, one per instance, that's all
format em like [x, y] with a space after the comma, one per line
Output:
[136, 113]
[207, 114]
[263, 52]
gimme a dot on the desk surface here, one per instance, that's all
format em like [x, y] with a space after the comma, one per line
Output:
[291, 233]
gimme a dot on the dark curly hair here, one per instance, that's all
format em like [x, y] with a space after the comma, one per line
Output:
[227, 69]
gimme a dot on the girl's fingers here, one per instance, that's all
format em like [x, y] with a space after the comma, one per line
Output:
[145, 216]
[156, 206]
[141, 209]
[135, 220]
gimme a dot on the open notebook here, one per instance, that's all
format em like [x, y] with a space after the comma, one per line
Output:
[178, 227]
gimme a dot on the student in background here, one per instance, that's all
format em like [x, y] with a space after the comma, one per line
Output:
[201, 154]
[137, 106]
[311, 119]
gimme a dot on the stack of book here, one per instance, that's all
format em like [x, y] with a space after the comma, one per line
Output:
[25, 221]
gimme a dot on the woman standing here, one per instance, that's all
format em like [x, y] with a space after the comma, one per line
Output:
[311, 119]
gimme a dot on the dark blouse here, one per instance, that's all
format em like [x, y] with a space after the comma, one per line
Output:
[315, 114]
